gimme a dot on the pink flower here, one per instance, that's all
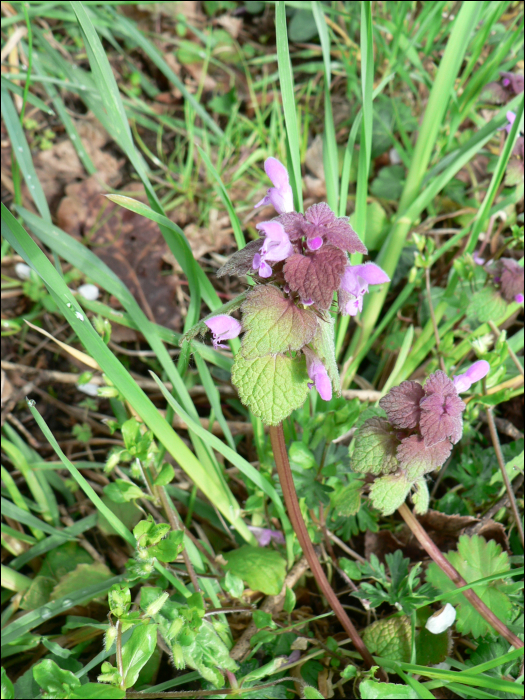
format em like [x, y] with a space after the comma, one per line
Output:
[463, 382]
[264, 535]
[318, 374]
[354, 285]
[510, 118]
[519, 298]
[223, 327]
[276, 247]
[478, 259]
[280, 196]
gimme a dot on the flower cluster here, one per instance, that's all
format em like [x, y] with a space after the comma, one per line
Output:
[509, 276]
[503, 90]
[301, 260]
[416, 437]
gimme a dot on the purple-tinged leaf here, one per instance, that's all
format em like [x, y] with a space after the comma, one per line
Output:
[512, 81]
[441, 410]
[512, 277]
[316, 276]
[293, 224]
[274, 324]
[321, 221]
[240, 262]
[401, 404]
[418, 459]
[375, 448]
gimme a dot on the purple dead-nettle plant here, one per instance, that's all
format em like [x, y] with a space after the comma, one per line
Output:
[508, 276]
[299, 263]
[411, 436]
[503, 90]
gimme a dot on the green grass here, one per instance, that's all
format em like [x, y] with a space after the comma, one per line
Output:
[370, 78]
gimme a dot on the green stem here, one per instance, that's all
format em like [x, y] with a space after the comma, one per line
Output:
[299, 526]
[432, 550]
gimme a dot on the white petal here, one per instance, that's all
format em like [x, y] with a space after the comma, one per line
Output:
[442, 620]
[23, 271]
[89, 292]
[89, 389]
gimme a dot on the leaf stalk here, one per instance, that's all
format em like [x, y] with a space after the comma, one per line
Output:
[432, 550]
[294, 512]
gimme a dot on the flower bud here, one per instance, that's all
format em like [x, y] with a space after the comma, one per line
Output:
[109, 637]
[154, 608]
[175, 627]
[178, 657]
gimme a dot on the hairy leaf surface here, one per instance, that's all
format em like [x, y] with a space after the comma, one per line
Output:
[274, 324]
[389, 492]
[271, 386]
[316, 276]
[375, 448]
[402, 404]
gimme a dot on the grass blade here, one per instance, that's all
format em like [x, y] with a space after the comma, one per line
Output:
[23, 154]
[330, 157]
[231, 455]
[207, 480]
[34, 618]
[287, 92]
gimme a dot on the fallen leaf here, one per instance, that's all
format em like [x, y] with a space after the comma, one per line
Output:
[131, 245]
[233, 25]
[60, 165]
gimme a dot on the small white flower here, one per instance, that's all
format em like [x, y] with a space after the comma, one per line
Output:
[79, 315]
[23, 271]
[441, 620]
[90, 389]
[89, 292]
[395, 158]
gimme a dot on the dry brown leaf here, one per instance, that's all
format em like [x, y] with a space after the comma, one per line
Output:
[60, 165]
[233, 25]
[131, 245]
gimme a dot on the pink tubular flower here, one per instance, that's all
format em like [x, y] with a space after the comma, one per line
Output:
[264, 535]
[276, 247]
[280, 196]
[463, 382]
[354, 283]
[223, 327]
[510, 118]
[318, 374]
[478, 259]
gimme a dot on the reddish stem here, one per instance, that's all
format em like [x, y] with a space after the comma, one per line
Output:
[296, 518]
[424, 540]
